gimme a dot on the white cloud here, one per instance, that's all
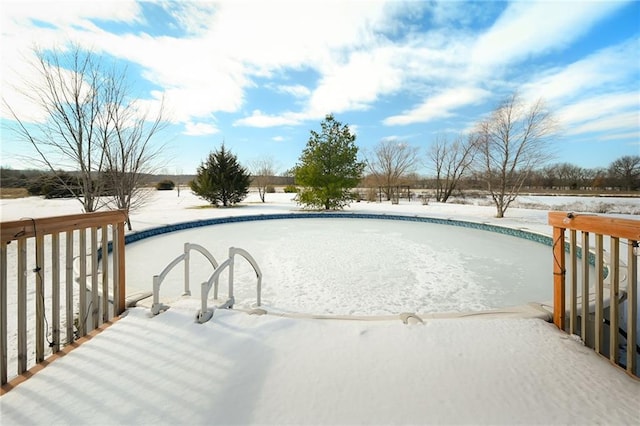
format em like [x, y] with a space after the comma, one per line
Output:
[258, 119]
[193, 17]
[358, 83]
[599, 72]
[199, 129]
[533, 28]
[439, 106]
[598, 107]
[629, 120]
[277, 138]
[297, 90]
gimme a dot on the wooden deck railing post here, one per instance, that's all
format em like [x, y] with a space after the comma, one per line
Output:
[121, 305]
[558, 278]
[29, 309]
[620, 328]
[3, 313]
[22, 305]
[632, 304]
[39, 271]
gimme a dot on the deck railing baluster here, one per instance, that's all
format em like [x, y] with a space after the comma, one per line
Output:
[623, 288]
[31, 314]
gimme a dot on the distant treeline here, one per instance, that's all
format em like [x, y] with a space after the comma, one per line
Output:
[558, 177]
[37, 182]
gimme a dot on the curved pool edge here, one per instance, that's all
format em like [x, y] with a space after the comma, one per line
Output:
[533, 310]
[527, 310]
[515, 232]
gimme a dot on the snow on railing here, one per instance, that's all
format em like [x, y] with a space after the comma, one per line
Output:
[157, 307]
[614, 289]
[59, 238]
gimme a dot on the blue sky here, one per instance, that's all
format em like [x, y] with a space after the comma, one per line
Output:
[259, 75]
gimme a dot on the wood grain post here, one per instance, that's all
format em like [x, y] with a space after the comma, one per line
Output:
[558, 278]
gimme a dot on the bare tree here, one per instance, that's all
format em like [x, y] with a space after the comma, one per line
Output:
[451, 161]
[513, 141]
[92, 126]
[67, 93]
[126, 132]
[262, 172]
[390, 162]
[626, 170]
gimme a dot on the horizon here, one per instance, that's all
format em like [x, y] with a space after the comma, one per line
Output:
[259, 76]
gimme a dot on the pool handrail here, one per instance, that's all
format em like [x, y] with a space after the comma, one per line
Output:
[157, 307]
[205, 314]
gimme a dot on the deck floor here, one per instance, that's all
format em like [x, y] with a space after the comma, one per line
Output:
[247, 369]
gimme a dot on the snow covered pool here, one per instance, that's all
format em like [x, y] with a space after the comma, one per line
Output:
[342, 265]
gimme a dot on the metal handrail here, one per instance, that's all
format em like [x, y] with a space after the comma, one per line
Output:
[205, 314]
[158, 307]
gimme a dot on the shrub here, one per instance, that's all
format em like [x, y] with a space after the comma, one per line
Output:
[165, 185]
[270, 189]
[291, 189]
[52, 186]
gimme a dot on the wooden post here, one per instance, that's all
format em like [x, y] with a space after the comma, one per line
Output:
[599, 289]
[614, 297]
[95, 301]
[632, 305]
[55, 291]
[39, 271]
[121, 269]
[3, 313]
[82, 315]
[558, 278]
[585, 290]
[22, 305]
[104, 234]
[573, 282]
[68, 302]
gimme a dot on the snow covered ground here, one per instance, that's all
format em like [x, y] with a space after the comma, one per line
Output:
[240, 368]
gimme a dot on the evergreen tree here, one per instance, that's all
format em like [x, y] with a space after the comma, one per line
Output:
[221, 179]
[329, 167]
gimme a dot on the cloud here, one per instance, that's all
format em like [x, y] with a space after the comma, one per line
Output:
[599, 106]
[602, 71]
[357, 83]
[258, 119]
[277, 138]
[441, 105]
[199, 129]
[617, 122]
[297, 90]
[532, 28]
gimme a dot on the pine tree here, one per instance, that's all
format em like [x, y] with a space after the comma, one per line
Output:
[221, 179]
[329, 167]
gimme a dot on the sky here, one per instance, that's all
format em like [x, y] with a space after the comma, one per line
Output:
[259, 76]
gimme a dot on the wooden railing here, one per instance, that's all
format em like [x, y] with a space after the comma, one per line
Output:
[86, 305]
[592, 306]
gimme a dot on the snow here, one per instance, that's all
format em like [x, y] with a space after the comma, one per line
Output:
[324, 266]
[247, 369]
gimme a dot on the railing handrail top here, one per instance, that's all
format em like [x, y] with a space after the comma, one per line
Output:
[597, 224]
[26, 228]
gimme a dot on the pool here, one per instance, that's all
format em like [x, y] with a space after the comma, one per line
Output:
[349, 265]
